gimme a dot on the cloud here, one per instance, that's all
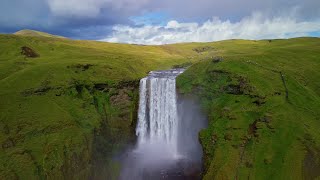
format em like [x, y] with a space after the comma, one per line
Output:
[87, 19]
[234, 10]
[81, 19]
[22, 13]
[93, 8]
[255, 26]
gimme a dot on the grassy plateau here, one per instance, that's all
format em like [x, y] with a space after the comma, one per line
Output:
[262, 99]
[68, 107]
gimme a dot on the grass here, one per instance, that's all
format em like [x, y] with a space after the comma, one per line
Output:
[254, 131]
[28, 32]
[76, 100]
[66, 113]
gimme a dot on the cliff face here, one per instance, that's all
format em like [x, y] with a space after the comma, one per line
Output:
[262, 100]
[94, 158]
[117, 107]
[105, 124]
[65, 113]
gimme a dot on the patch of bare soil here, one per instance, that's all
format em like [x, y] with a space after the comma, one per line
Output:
[311, 166]
[29, 52]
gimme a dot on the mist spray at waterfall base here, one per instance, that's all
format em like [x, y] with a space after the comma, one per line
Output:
[167, 130]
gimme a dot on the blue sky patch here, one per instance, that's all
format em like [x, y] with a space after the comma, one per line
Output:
[150, 18]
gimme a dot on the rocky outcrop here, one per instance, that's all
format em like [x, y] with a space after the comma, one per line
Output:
[29, 52]
[117, 105]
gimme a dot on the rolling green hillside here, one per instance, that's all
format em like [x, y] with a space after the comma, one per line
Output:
[33, 33]
[263, 103]
[67, 106]
[66, 111]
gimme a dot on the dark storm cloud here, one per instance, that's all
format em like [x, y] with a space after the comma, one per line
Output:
[18, 13]
[91, 19]
[87, 19]
[236, 9]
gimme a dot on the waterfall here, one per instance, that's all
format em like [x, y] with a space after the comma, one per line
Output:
[167, 129]
[157, 116]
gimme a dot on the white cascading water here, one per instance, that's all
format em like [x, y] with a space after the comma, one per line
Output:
[167, 131]
[157, 117]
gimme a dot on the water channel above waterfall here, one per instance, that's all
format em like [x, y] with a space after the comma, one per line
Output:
[167, 131]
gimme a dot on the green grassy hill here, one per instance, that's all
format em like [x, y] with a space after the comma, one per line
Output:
[28, 32]
[263, 103]
[64, 112]
[68, 106]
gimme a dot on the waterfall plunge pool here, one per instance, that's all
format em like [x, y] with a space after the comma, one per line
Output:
[167, 131]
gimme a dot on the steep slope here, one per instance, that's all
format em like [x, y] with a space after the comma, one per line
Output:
[263, 101]
[67, 111]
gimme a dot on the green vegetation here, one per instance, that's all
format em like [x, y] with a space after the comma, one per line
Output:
[27, 32]
[66, 106]
[65, 112]
[262, 99]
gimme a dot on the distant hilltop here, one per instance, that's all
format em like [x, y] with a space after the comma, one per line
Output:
[28, 32]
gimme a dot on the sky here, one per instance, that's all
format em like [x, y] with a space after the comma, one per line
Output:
[163, 21]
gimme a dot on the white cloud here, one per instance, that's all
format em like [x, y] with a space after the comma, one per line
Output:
[256, 26]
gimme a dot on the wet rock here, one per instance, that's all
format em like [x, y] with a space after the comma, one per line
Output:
[189, 169]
